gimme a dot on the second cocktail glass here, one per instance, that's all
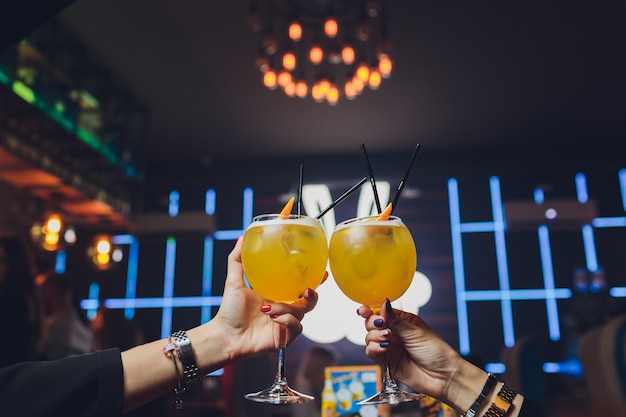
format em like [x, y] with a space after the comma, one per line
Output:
[372, 260]
[282, 256]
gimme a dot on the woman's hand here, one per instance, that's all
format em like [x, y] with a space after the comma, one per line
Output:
[252, 324]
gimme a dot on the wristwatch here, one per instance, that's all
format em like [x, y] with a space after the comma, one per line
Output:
[187, 358]
[501, 403]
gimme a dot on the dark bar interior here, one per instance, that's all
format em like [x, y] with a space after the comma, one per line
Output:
[158, 130]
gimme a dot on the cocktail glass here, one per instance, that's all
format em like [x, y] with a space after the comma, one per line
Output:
[282, 256]
[372, 260]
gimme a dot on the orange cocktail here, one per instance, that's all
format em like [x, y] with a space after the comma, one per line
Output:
[372, 259]
[282, 257]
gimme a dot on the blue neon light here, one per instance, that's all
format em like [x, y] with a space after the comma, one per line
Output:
[618, 292]
[174, 206]
[209, 202]
[459, 268]
[539, 196]
[207, 277]
[93, 303]
[476, 227]
[608, 222]
[581, 188]
[548, 283]
[131, 275]
[570, 367]
[621, 175]
[523, 294]
[495, 368]
[162, 302]
[503, 270]
[168, 287]
[59, 262]
[589, 243]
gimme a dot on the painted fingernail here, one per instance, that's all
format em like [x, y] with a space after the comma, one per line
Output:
[384, 344]
[388, 306]
[379, 323]
[274, 316]
[308, 292]
[265, 308]
[386, 332]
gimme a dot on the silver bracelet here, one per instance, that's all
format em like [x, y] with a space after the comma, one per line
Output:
[178, 390]
[187, 358]
[487, 388]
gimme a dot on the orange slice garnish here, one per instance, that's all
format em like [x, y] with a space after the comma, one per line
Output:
[385, 214]
[286, 211]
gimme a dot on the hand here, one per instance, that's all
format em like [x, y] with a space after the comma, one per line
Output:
[418, 356]
[250, 330]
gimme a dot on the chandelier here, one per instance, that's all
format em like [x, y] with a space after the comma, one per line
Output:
[323, 49]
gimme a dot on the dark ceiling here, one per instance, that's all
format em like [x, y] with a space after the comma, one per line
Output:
[466, 74]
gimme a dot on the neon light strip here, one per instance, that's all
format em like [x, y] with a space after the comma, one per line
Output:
[207, 277]
[618, 292]
[94, 294]
[162, 302]
[477, 227]
[581, 188]
[495, 367]
[621, 175]
[526, 294]
[539, 196]
[168, 287]
[209, 202]
[590, 248]
[60, 261]
[131, 276]
[548, 282]
[570, 367]
[174, 208]
[608, 222]
[459, 271]
[503, 270]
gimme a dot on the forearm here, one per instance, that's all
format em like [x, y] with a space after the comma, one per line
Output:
[149, 373]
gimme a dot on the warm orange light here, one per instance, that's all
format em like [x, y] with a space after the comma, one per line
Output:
[348, 55]
[290, 89]
[269, 79]
[295, 31]
[385, 65]
[359, 85]
[331, 27]
[350, 90]
[324, 87]
[316, 54]
[363, 72]
[103, 246]
[316, 93]
[301, 89]
[375, 79]
[284, 78]
[289, 60]
[102, 259]
[333, 95]
[51, 239]
[53, 224]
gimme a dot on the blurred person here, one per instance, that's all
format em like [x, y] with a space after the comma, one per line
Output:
[311, 376]
[66, 332]
[111, 329]
[111, 382]
[426, 363]
[21, 318]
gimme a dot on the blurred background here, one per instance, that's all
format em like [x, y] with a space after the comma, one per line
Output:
[159, 128]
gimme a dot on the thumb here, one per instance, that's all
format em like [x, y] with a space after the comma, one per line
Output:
[234, 274]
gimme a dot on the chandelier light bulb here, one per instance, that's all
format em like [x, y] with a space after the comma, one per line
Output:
[363, 72]
[290, 89]
[347, 54]
[385, 65]
[333, 95]
[358, 84]
[375, 79]
[302, 89]
[289, 61]
[349, 90]
[316, 93]
[284, 78]
[316, 54]
[269, 79]
[295, 31]
[331, 27]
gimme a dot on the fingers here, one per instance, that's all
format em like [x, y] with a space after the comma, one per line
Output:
[234, 275]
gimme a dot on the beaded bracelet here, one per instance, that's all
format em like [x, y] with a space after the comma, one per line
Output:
[179, 390]
[487, 388]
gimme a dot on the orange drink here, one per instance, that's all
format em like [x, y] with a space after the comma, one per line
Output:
[283, 255]
[372, 259]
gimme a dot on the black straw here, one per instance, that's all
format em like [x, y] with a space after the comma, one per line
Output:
[403, 181]
[342, 197]
[300, 189]
[370, 175]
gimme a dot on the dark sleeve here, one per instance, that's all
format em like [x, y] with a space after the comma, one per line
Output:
[18, 18]
[532, 409]
[90, 385]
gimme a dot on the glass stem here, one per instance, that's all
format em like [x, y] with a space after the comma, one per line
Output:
[389, 384]
[280, 374]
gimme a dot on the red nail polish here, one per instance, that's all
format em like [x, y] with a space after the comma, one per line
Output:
[274, 316]
[265, 308]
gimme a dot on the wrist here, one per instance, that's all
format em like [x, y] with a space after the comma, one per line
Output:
[466, 385]
[211, 349]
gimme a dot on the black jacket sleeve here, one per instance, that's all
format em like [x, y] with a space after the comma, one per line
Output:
[90, 385]
[18, 18]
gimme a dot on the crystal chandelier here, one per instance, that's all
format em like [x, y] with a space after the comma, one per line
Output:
[326, 50]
